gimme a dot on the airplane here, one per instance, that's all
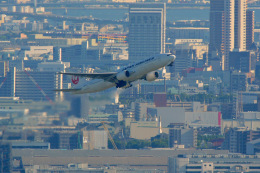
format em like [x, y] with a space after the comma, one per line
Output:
[145, 69]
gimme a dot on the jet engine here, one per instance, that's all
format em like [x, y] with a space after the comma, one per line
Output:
[123, 75]
[152, 76]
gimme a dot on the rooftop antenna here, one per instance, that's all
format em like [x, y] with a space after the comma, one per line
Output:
[35, 5]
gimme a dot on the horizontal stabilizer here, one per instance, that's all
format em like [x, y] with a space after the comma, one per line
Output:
[93, 75]
[67, 90]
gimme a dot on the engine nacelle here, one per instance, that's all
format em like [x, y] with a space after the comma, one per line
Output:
[123, 75]
[152, 76]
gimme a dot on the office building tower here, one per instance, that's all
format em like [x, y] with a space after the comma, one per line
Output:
[238, 82]
[4, 68]
[183, 136]
[240, 61]
[240, 25]
[184, 58]
[5, 157]
[226, 110]
[236, 139]
[57, 53]
[250, 25]
[257, 71]
[32, 85]
[227, 28]
[147, 24]
[216, 45]
[69, 139]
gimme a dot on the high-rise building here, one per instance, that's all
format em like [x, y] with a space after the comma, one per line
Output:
[240, 61]
[184, 58]
[32, 85]
[236, 139]
[57, 53]
[4, 68]
[5, 157]
[240, 24]
[238, 82]
[216, 28]
[62, 139]
[257, 71]
[147, 24]
[250, 25]
[228, 25]
[183, 136]
[229, 29]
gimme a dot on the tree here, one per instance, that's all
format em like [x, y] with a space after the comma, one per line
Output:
[120, 144]
[137, 144]
[159, 143]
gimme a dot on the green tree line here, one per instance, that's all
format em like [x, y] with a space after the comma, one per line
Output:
[139, 144]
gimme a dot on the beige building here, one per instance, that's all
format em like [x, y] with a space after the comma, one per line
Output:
[125, 1]
[22, 1]
[2, 19]
[36, 119]
[49, 41]
[250, 124]
[146, 129]
[34, 51]
[193, 44]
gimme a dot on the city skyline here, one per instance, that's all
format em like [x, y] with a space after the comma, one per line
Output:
[200, 114]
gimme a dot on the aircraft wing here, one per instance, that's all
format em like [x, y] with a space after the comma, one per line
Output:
[104, 76]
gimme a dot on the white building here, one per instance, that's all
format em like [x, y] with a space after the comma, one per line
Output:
[34, 51]
[53, 66]
[95, 139]
[197, 119]
[210, 163]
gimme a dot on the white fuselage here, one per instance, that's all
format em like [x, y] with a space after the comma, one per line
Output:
[137, 71]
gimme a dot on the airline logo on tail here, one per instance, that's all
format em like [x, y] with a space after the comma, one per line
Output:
[75, 80]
